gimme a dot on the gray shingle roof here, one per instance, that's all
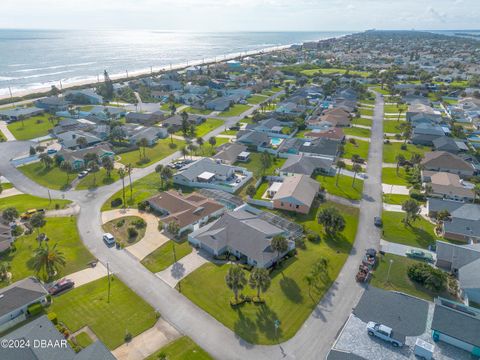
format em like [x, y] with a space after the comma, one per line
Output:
[19, 294]
[198, 167]
[300, 164]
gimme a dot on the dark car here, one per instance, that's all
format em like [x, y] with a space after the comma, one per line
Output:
[377, 220]
[60, 286]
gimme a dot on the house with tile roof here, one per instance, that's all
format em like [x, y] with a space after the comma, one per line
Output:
[448, 186]
[296, 193]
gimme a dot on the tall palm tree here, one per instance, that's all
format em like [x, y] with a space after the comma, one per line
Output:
[158, 170]
[400, 160]
[128, 170]
[340, 165]
[166, 174]
[121, 174]
[66, 167]
[48, 259]
[356, 168]
[200, 143]
[260, 280]
[93, 166]
[235, 280]
[107, 164]
[184, 152]
[171, 131]
[279, 244]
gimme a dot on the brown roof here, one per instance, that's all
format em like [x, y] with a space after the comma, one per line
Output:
[333, 133]
[184, 209]
[447, 183]
[443, 159]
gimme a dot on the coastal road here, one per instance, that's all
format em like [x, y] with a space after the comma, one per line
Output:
[316, 336]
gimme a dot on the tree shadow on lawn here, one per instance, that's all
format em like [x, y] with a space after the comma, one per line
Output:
[246, 329]
[266, 322]
[338, 242]
[422, 237]
[291, 290]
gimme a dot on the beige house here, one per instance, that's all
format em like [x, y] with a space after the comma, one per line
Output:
[296, 193]
[447, 162]
[448, 186]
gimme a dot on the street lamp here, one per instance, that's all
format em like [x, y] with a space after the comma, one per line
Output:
[389, 267]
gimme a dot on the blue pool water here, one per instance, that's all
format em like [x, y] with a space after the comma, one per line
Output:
[276, 141]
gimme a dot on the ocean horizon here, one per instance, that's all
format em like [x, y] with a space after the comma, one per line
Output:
[37, 59]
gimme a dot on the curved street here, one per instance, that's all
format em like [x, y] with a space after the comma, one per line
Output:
[315, 337]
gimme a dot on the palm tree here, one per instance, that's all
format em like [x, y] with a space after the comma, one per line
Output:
[93, 166]
[121, 174]
[184, 152]
[173, 228]
[107, 164]
[260, 280]
[158, 170]
[400, 160]
[66, 167]
[200, 143]
[81, 141]
[37, 221]
[142, 143]
[212, 141]
[128, 170]
[166, 174]
[340, 165]
[171, 131]
[46, 160]
[279, 244]
[48, 259]
[235, 280]
[356, 168]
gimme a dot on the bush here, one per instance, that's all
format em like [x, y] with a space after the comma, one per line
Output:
[17, 231]
[57, 206]
[132, 232]
[313, 237]
[142, 205]
[430, 277]
[172, 145]
[34, 309]
[120, 223]
[116, 202]
[417, 195]
[128, 337]
[53, 318]
[403, 147]
[139, 224]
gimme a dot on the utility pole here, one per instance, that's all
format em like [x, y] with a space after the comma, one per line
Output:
[49, 196]
[127, 73]
[10, 91]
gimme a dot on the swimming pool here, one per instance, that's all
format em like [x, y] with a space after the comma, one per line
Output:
[276, 141]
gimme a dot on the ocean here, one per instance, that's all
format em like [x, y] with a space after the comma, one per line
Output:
[36, 59]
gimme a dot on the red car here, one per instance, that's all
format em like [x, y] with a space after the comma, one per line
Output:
[60, 286]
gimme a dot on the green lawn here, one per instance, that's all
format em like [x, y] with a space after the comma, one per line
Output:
[383, 91]
[288, 298]
[52, 178]
[229, 132]
[88, 305]
[254, 165]
[119, 229]
[419, 234]
[356, 131]
[155, 153]
[256, 99]
[261, 190]
[31, 128]
[390, 176]
[6, 185]
[101, 179]
[367, 102]
[181, 349]
[362, 121]
[23, 202]
[329, 71]
[166, 106]
[162, 258]
[360, 147]
[394, 108]
[83, 339]
[235, 110]
[366, 112]
[207, 126]
[344, 187]
[191, 110]
[395, 199]
[61, 231]
[398, 279]
[390, 151]
[392, 126]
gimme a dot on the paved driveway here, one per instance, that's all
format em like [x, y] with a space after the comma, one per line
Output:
[400, 249]
[85, 276]
[186, 265]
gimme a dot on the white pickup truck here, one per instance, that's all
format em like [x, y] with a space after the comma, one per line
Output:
[385, 333]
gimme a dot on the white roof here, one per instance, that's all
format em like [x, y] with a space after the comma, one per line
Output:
[275, 186]
[244, 154]
[206, 175]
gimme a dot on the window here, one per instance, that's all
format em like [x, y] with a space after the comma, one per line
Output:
[297, 206]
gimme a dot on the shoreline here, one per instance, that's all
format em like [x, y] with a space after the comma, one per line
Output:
[119, 77]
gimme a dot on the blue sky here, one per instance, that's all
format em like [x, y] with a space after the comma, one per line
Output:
[233, 15]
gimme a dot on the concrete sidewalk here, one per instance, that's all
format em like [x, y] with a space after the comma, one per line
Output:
[85, 276]
[186, 265]
[395, 189]
[6, 132]
[10, 192]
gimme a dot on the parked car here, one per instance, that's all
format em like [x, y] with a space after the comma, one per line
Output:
[385, 333]
[51, 151]
[377, 220]
[109, 239]
[419, 254]
[28, 214]
[82, 174]
[60, 286]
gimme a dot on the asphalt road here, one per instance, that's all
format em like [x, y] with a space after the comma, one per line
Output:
[315, 337]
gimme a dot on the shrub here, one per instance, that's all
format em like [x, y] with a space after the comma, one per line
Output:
[417, 195]
[139, 224]
[313, 237]
[35, 309]
[132, 232]
[120, 222]
[403, 147]
[57, 206]
[172, 145]
[142, 205]
[116, 202]
[53, 318]
[17, 231]
[430, 277]
[128, 337]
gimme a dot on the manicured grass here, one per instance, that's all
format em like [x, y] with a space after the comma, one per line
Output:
[398, 279]
[120, 231]
[6, 186]
[344, 187]
[255, 165]
[162, 258]
[367, 102]
[288, 298]
[166, 106]
[83, 339]
[181, 349]
[392, 126]
[256, 99]
[390, 176]
[356, 131]
[61, 231]
[88, 305]
[383, 91]
[394, 108]
[360, 148]
[23, 202]
[155, 153]
[329, 71]
[235, 110]
[52, 178]
[395, 199]
[366, 112]
[207, 126]
[362, 121]
[261, 190]
[100, 177]
[390, 151]
[191, 110]
[419, 234]
[229, 132]
[31, 128]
